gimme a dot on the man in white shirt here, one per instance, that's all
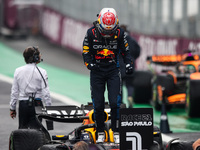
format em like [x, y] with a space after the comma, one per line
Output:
[30, 84]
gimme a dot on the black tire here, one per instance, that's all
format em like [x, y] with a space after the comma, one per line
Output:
[193, 98]
[26, 139]
[142, 86]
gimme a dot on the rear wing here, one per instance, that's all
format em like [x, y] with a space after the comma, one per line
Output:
[165, 60]
[67, 113]
[171, 60]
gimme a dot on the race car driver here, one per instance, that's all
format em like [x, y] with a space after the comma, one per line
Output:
[101, 47]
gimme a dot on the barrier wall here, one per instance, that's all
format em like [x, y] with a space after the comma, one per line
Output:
[63, 30]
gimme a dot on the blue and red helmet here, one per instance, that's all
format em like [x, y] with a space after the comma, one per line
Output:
[108, 22]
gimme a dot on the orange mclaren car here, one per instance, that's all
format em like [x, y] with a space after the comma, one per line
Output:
[180, 85]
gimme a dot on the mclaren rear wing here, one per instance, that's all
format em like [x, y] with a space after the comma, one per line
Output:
[171, 60]
[165, 60]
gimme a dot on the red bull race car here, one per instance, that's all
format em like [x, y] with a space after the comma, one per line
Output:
[40, 139]
[179, 85]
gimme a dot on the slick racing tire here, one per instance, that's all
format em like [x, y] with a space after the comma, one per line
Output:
[142, 86]
[54, 147]
[193, 98]
[26, 139]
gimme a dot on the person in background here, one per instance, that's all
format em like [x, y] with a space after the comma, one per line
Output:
[30, 85]
[101, 47]
[127, 79]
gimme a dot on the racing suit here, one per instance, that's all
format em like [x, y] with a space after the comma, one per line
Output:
[101, 56]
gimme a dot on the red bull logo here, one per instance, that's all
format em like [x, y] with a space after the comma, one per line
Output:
[105, 52]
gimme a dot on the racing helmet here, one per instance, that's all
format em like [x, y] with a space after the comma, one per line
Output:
[107, 22]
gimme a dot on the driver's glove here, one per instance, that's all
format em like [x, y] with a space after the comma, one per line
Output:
[92, 66]
[129, 69]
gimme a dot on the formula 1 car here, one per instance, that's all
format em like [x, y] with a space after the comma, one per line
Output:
[179, 85]
[40, 139]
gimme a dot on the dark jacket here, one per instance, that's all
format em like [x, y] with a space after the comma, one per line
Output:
[134, 49]
[105, 51]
